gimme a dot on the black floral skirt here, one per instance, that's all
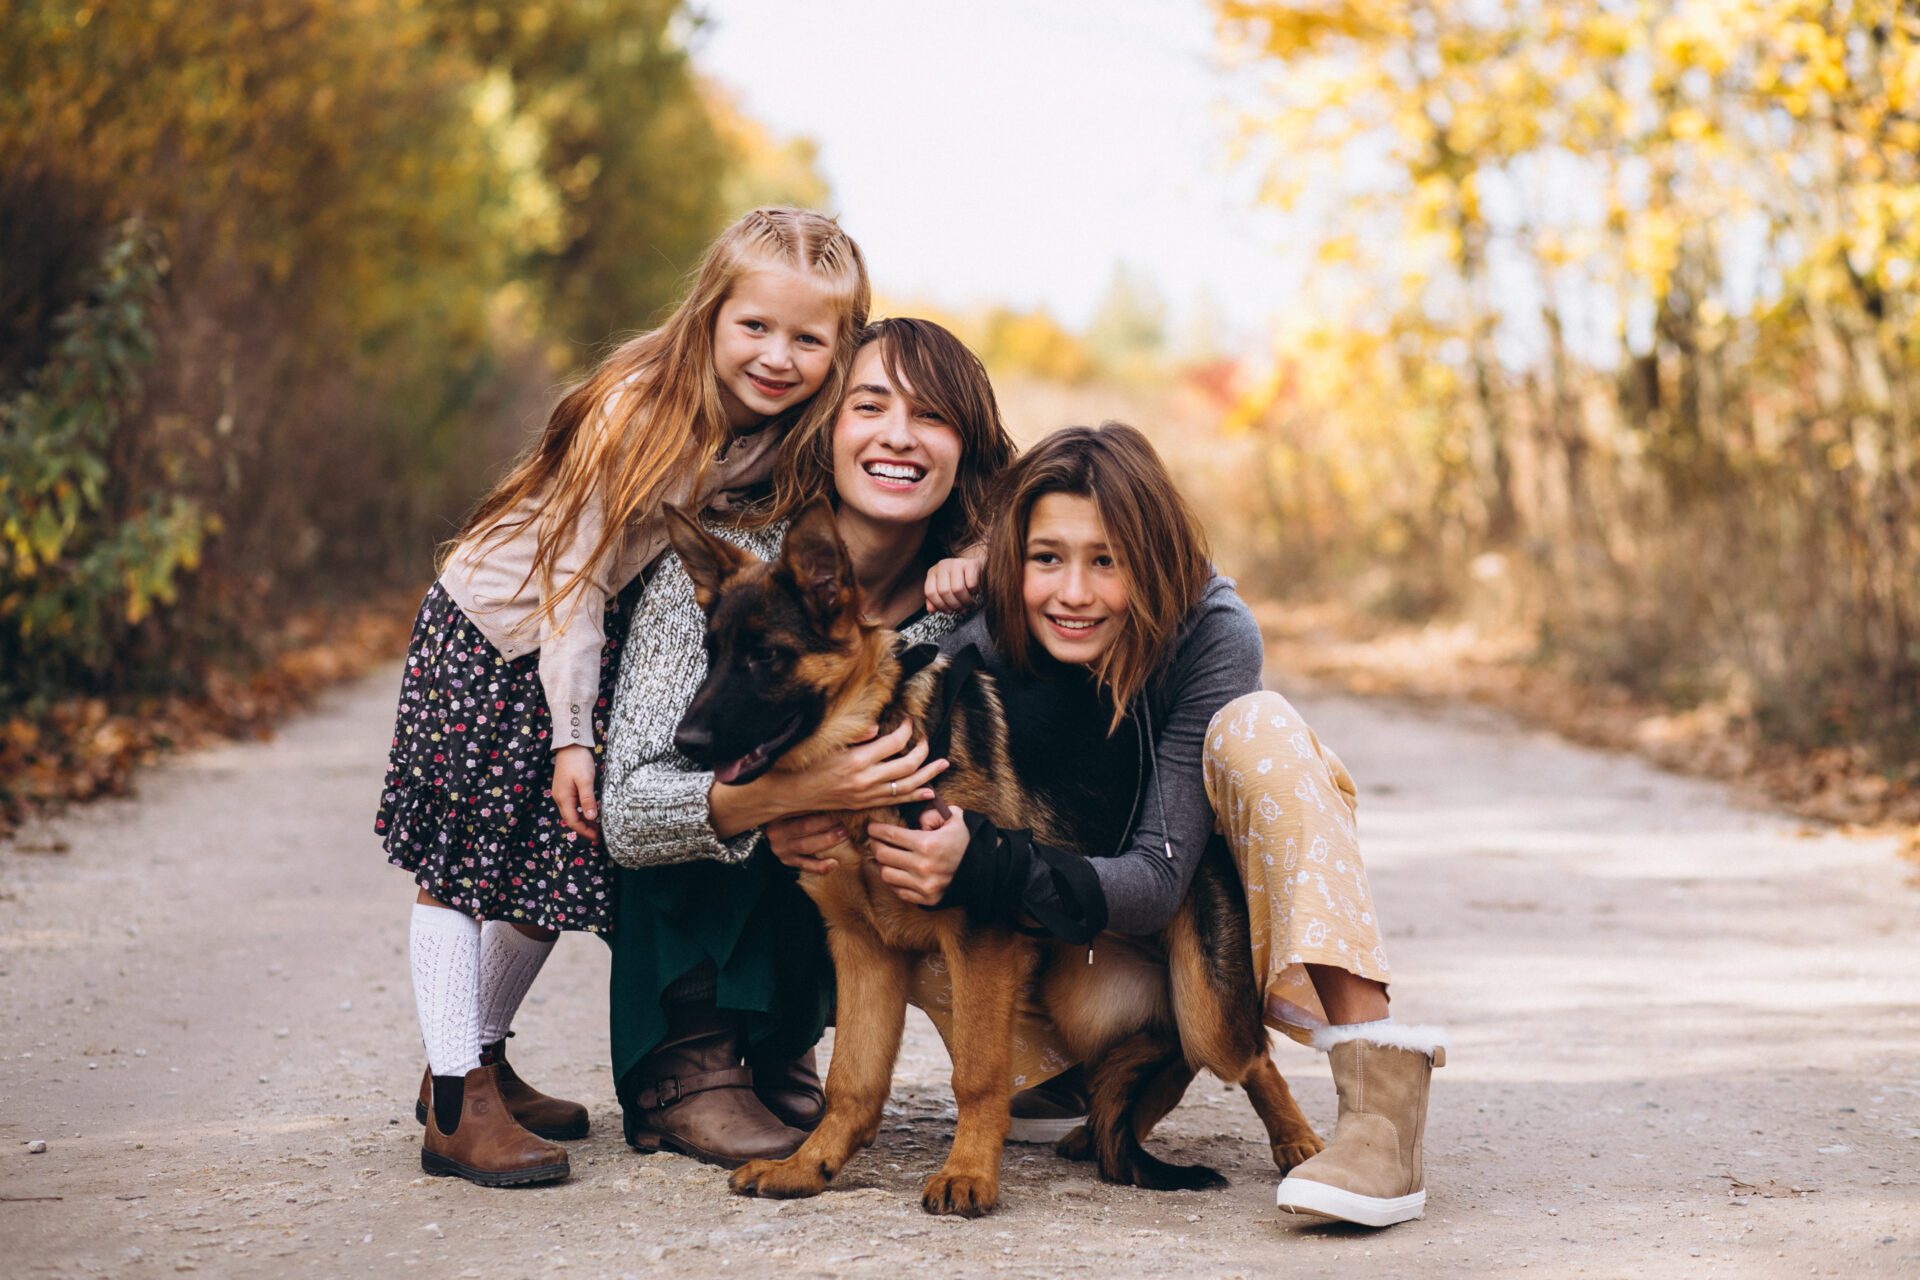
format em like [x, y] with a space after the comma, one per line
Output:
[466, 807]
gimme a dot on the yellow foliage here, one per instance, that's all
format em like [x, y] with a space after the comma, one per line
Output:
[377, 213]
[1733, 185]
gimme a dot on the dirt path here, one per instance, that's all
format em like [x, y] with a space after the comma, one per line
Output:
[1686, 1041]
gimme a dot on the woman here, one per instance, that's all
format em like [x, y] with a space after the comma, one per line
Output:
[720, 982]
[1102, 613]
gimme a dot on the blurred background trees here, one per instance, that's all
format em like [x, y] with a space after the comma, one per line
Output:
[283, 281]
[1615, 333]
[1610, 337]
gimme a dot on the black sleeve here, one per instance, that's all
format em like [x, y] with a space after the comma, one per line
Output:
[1005, 875]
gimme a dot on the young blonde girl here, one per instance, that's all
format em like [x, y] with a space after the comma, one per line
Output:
[510, 672]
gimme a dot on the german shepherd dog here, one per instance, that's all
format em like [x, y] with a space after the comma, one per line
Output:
[796, 674]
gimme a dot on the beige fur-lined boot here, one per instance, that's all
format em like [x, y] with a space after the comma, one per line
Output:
[1371, 1172]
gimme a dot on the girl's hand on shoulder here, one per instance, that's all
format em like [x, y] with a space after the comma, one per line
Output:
[573, 771]
[886, 769]
[919, 865]
[798, 841]
[954, 585]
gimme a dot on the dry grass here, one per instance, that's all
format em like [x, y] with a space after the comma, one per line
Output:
[1332, 643]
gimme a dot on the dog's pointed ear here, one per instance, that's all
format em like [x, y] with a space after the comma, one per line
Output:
[708, 560]
[818, 563]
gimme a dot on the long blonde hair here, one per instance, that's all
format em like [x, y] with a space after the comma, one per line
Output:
[652, 407]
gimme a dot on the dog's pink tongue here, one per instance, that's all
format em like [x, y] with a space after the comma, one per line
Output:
[728, 772]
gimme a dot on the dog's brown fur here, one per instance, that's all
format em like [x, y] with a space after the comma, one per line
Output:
[1144, 1018]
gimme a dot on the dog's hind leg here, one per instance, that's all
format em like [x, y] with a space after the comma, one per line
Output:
[1216, 1002]
[872, 981]
[1140, 1069]
[988, 972]
[1216, 996]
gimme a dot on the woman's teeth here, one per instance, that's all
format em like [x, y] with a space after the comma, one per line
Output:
[900, 471]
[1075, 624]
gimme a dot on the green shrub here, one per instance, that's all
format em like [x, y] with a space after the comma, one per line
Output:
[81, 563]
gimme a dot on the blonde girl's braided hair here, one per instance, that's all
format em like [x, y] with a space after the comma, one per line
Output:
[651, 409]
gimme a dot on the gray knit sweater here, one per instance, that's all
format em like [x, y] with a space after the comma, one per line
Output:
[653, 800]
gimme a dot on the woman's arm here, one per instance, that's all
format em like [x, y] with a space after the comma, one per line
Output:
[654, 807]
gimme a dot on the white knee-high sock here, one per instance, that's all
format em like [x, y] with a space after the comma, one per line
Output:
[444, 948]
[509, 962]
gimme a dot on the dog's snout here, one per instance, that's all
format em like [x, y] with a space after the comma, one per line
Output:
[692, 739]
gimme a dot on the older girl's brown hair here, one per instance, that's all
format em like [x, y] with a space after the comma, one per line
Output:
[936, 371]
[651, 411]
[1154, 535]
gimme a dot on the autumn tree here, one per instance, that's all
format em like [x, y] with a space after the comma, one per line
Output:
[373, 224]
[1637, 274]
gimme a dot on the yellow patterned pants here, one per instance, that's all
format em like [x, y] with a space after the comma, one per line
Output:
[1285, 804]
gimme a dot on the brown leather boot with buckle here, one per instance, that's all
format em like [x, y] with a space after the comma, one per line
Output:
[552, 1118]
[693, 1095]
[487, 1146]
[791, 1090]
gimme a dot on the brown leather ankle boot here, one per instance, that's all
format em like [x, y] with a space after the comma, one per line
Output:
[552, 1118]
[487, 1144]
[693, 1095]
[791, 1090]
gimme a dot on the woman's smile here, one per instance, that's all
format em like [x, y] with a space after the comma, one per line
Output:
[897, 476]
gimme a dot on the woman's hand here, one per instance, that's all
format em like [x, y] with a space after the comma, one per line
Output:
[880, 771]
[573, 772]
[798, 841]
[953, 585]
[886, 769]
[919, 865]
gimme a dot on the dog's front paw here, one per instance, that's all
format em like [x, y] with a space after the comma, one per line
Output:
[1077, 1145]
[1288, 1156]
[966, 1194]
[789, 1179]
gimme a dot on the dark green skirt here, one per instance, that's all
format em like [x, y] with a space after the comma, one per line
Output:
[762, 935]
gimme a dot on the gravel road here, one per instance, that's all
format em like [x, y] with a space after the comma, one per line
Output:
[1686, 1041]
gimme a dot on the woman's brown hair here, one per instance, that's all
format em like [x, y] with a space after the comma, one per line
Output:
[1154, 535]
[936, 371]
[651, 410]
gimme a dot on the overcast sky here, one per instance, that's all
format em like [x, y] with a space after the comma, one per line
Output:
[1000, 150]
